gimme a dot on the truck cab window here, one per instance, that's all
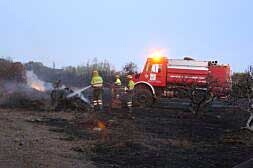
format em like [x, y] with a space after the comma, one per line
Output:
[156, 68]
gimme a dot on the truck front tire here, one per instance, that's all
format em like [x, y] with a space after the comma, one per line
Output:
[143, 97]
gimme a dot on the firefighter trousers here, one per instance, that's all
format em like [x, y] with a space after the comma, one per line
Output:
[116, 92]
[130, 100]
[97, 98]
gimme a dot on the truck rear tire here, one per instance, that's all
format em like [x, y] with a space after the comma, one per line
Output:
[143, 97]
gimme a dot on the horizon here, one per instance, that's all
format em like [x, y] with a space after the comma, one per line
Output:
[99, 61]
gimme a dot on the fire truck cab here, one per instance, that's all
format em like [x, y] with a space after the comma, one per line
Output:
[154, 72]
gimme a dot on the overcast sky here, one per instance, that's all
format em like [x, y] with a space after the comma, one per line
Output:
[72, 32]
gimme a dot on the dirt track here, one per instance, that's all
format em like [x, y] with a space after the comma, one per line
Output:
[145, 138]
[24, 144]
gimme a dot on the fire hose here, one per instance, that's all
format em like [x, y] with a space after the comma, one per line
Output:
[79, 94]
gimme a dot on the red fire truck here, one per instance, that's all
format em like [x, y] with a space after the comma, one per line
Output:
[163, 77]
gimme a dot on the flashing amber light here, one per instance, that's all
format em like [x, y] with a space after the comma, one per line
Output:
[156, 56]
[156, 59]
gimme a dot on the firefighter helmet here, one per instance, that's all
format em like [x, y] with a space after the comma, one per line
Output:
[95, 72]
[129, 76]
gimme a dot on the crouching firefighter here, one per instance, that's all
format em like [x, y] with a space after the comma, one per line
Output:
[130, 87]
[97, 85]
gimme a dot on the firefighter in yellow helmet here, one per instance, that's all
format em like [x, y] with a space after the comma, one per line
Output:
[97, 85]
[117, 85]
[117, 80]
[130, 87]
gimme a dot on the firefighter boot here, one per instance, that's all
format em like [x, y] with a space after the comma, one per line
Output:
[129, 105]
[95, 105]
[100, 105]
[130, 110]
[101, 108]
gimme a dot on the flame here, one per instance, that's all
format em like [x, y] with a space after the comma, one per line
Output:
[101, 125]
[34, 82]
[103, 131]
[37, 87]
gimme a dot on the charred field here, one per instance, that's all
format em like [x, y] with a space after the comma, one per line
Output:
[147, 137]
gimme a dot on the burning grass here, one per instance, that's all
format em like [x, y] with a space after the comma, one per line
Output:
[20, 88]
[16, 95]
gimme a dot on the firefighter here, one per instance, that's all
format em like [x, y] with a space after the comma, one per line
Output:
[117, 81]
[117, 85]
[57, 84]
[130, 87]
[97, 84]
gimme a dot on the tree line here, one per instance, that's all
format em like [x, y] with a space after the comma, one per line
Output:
[79, 76]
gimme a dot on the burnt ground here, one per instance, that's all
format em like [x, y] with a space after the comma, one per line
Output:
[150, 137]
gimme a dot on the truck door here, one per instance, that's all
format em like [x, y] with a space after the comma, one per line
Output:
[157, 75]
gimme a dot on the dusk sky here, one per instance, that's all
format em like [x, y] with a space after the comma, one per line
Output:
[73, 32]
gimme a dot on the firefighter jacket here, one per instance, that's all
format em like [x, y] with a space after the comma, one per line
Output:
[96, 81]
[130, 85]
[117, 82]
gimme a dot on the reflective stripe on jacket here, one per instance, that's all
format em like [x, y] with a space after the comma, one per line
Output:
[96, 81]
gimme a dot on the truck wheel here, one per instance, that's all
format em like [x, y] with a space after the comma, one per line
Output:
[143, 98]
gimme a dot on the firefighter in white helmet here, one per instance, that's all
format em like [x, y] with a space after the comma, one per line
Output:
[97, 85]
[130, 87]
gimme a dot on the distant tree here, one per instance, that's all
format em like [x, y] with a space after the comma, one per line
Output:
[242, 93]
[70, 69]
[248, 86]
[12, 71]
[73, 76]
[130, 68]
[7, 58]
[84, 72]
[240, 84]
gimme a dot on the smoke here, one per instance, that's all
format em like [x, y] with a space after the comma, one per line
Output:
[14, 94]
[34, 82]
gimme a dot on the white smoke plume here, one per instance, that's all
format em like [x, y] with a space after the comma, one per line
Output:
[34, 82]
